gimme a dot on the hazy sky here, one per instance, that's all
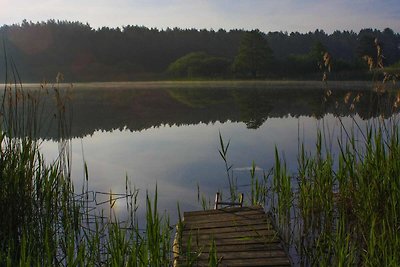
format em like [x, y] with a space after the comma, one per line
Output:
[266, 15]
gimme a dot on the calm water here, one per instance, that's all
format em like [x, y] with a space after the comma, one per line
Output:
[167, 134]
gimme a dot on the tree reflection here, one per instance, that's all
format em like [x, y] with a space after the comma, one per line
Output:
[139, 109]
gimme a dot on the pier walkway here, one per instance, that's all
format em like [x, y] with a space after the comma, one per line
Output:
[242, 236]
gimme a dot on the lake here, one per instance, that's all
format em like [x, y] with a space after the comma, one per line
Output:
[167, 133]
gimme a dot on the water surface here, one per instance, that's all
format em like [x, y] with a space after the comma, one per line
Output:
[167, 134]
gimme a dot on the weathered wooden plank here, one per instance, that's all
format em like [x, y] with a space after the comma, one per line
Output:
[233, 241]
[225, 223]
[229, 225]
[236, 247]
[231, 255]
[224, 210]
[235, 234]
[227, 229]
[243, 236]
[228, 217]
[243, 214]
[244, 262]
[219, 213]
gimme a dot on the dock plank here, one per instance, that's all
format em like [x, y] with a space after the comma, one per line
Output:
[243, 236]
[228, 228]
[217, 224]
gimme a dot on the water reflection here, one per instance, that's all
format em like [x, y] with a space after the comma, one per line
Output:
[107, 109]
[169, 136]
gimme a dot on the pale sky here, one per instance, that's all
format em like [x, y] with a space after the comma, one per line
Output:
[266, 15]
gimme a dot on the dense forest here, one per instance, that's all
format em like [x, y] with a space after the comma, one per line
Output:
[41, 50]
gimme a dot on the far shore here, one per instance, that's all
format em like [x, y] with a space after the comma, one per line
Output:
[203, 84]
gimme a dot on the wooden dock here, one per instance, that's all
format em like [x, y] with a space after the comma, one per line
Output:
[243, 236]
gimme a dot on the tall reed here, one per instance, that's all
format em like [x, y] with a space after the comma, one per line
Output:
[348, 214]
[43, 220]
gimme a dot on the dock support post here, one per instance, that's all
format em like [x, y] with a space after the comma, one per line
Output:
[218, 201]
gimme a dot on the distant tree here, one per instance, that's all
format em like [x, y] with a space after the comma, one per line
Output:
[391, 46]
[366, 46]
[322, 58]
[317, 51]
[183, 65]
[302, 65]
[254, 56]
[199, 64]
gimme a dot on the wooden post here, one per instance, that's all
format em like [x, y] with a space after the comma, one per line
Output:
[216, 201]
[241, 200]
[219, 202]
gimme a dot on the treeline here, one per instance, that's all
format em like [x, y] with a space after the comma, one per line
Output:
[41, 50]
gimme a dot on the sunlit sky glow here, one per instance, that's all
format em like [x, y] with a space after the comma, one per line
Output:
[266, 15]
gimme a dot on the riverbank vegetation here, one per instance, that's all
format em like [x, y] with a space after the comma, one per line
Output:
[343, 209]
[44, 220]
[139, 53]
[340, 207]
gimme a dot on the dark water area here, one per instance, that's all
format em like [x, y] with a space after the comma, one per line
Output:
[167, 134]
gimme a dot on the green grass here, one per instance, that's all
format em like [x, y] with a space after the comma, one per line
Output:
[349, 214]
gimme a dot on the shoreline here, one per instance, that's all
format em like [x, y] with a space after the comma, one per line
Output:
[270, 84]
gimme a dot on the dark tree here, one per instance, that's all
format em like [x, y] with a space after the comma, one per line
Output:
[366, 46]
[255, 56]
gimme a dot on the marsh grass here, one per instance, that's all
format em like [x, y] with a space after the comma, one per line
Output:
[347, 205]
[36, 201]
[44, 221]
[355, 205]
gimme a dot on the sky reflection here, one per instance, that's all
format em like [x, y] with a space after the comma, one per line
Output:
[178, 158]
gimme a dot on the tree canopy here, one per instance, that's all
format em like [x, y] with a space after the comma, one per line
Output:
[199, 64]
[255, 56]
[41, 50]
